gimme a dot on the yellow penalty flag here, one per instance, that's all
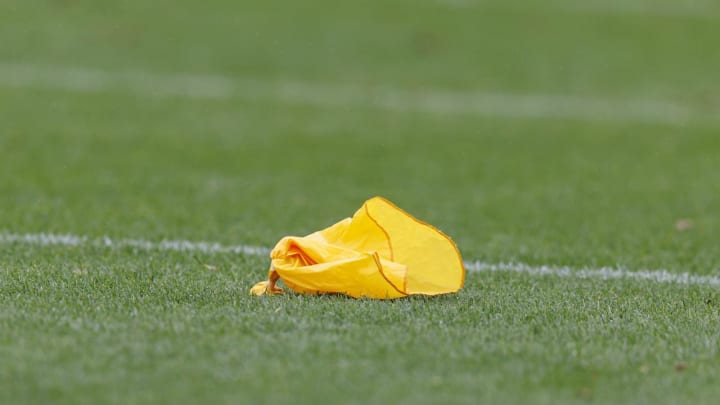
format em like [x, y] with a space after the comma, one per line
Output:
[381, 252]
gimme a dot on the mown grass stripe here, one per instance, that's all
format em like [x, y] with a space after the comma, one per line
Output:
[603, 273]
[697, 9]
[334, 96]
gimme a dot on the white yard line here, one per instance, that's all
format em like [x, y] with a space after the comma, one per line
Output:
[701, 9]
[338, 96]
[51, 239]
[604, 273]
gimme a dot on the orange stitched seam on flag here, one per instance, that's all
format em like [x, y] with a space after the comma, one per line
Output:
[392, 253]
[421, 222]
[382, 273]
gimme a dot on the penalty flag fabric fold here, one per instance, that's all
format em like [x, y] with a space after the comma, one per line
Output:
[381, 252]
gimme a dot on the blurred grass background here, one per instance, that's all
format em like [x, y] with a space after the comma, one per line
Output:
[540, 190]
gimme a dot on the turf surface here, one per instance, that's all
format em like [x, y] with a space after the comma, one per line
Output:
[101, 325]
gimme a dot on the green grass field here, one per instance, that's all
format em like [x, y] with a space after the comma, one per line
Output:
[540, 133]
